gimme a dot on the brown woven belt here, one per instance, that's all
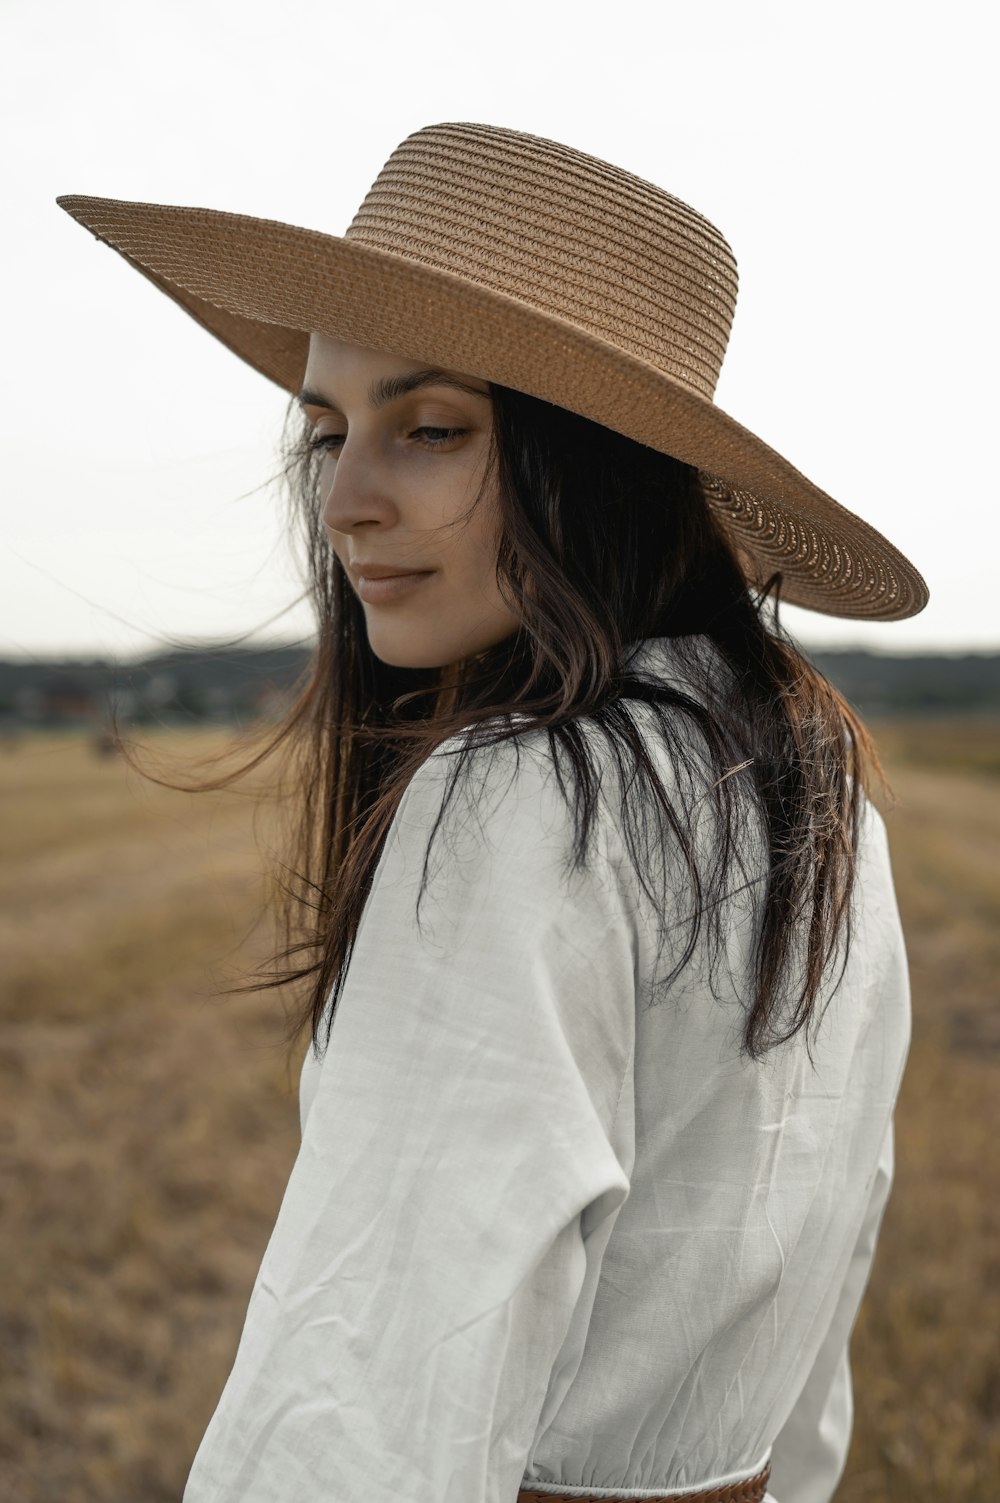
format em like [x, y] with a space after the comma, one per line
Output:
[752, 1490]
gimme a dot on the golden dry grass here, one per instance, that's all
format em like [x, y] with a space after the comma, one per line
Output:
[926, 1348]
[147, 1124]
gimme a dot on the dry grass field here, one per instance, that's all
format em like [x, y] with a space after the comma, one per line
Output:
[148, 1123]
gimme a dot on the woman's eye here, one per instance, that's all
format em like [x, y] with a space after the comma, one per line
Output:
[433, 438]
[325, 441]
[436, 436]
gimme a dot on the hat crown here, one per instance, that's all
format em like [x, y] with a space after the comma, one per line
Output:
[565, 232]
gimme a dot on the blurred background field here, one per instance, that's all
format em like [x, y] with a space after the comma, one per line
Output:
[148, 1123]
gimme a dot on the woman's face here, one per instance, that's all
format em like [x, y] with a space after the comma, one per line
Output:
[402, 460]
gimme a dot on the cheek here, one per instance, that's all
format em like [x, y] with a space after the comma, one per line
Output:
[484, 524]
[324, 491]
[479, 546]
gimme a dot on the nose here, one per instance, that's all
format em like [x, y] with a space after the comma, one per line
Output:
[357, 486]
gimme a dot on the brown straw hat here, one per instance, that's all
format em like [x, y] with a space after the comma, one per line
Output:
[530, 264]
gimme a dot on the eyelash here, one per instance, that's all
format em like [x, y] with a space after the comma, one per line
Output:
[324, 439]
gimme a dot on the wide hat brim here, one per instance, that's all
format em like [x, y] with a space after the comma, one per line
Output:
[262, 287]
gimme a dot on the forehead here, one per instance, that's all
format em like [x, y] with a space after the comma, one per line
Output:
[328, 353]
[336, 368]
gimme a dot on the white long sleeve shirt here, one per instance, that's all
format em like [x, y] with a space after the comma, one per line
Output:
[540, 1233]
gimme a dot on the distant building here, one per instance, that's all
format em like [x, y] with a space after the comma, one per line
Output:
[61, 699]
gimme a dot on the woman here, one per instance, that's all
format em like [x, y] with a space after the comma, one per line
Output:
[597, 1112]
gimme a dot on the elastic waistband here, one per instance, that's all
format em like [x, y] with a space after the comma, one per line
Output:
[751, 1490]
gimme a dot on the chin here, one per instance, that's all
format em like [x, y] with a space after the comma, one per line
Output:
[401, 657]
[394, 661]
[398, 649]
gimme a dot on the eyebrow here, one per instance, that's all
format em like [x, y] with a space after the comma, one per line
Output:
[390, 388]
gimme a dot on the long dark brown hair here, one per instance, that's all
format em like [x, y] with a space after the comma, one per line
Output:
[603, 543]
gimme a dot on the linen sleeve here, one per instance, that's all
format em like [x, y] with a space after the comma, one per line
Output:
[810, 1452]
[458, 1175]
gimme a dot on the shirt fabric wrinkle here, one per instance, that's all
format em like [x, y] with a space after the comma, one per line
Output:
[539, 1234]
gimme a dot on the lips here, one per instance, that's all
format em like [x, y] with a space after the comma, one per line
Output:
[384, 571]
[382, 591]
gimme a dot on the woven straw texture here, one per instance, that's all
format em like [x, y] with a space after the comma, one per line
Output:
[530, 264]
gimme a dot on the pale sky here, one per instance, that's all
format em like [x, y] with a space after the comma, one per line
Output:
[846, 151]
